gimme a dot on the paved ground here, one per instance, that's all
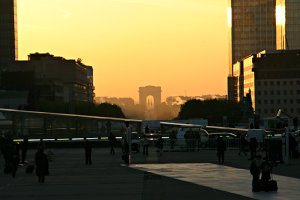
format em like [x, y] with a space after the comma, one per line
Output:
[107, 178]
[219, 177]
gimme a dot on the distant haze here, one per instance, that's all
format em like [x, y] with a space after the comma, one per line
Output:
[180, 45]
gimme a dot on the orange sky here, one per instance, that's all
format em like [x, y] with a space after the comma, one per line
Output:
[180, 45]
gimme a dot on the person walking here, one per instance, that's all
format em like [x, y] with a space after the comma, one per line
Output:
[24, 147]
[112, 142]
[145, 144]
[160, 145]
[172, 139]
[42, 166]
[221, 148]
[125, 150]
[243, 145]
[14, 158]
[88, 152]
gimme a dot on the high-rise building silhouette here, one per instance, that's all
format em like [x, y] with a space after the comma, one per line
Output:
[252, 27]
[290, 26]
[8, 30]
[258, 25]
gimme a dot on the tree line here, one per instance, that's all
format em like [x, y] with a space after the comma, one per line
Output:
[215, 111]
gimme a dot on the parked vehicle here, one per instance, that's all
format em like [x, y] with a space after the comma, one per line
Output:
[185, 134]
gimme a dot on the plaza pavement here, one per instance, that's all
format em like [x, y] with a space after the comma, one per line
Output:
[108, 178]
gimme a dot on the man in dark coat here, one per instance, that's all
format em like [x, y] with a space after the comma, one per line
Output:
[221, 147]
[112, 141]
[42, 167]
[24, 147]
[160, 145]
[88, 152]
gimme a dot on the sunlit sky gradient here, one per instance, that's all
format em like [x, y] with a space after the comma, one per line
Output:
[180, 45]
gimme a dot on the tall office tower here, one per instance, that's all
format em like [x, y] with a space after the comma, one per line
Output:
[8, 32]
[288, 24]
[252, 28]
[258, 25]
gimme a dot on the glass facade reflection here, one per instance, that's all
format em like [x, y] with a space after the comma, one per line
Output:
[8, 30]
[242, 70]
[292, 24]
[258, 25]
[252, 27]
[262, 25]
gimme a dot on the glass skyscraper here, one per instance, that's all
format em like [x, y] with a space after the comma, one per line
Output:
[8, 32]
[258, 25]
[292, 24]
[252, 27]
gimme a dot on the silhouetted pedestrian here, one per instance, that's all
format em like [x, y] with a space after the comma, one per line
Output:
[112, 142]
[14, 158]
[24, 147]
[125, 151]
[145, 144]
[172, 139]
[88, 152]
[160, 145]
[10, 152]
[243, 145]
[197, 140]
[221, 148]
[42, 166]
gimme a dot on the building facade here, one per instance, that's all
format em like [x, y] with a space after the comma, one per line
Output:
[245, 82]
[261, 25]
[51, 78]
[277, 83]
[8, 30]
[252, 27]
[273, 77]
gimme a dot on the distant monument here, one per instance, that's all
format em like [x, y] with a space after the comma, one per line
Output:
[150, 100]
[150, 97]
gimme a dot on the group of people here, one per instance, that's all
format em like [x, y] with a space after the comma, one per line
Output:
[10, 152]
[260, 170]
[12, 159]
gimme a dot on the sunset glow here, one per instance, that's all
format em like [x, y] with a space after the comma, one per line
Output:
[280, 15]
[180, 45]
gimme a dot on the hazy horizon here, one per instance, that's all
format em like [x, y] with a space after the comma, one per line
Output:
[180, 45]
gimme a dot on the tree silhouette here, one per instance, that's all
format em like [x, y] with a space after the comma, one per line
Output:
[213, 110]
[82, 108]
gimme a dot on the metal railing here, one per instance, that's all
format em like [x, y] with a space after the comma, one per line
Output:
[194, 145]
